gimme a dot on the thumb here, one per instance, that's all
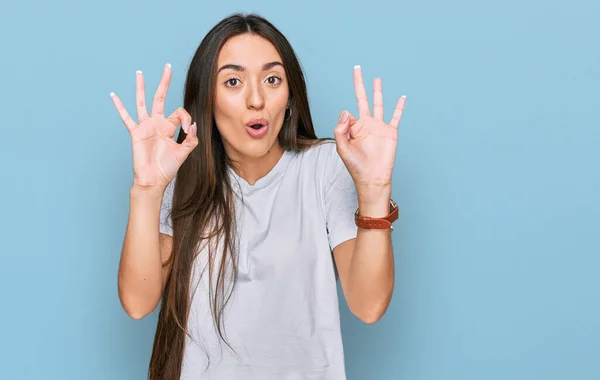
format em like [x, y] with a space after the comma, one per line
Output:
[191, 139]
[341, 132]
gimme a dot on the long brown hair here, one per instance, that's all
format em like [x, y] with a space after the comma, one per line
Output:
[203, 203]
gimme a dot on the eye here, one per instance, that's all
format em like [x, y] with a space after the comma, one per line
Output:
[231, 82]
[273, 80]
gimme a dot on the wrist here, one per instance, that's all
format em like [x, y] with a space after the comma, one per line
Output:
[146, 192]
[374, 202]
[373, 192]
[377, 209]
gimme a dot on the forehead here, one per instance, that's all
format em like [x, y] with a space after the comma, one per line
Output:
[248, 50]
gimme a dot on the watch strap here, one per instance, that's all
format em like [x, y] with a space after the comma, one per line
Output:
[366, 222]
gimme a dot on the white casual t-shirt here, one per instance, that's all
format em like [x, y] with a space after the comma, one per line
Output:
[283, 317]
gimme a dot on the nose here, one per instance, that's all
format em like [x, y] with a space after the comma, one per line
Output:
[255, 98]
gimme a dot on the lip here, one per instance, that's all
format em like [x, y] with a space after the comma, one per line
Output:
[257, 133]
[261, 121]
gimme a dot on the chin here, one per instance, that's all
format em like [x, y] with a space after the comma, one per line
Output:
[254, 149]
[258, 149]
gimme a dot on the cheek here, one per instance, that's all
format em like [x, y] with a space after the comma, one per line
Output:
[228, 112]
[226, 105]
[225, 112]
[279, 103]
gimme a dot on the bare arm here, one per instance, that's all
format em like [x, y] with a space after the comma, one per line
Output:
[366, 266]
[156, 160]
[368, 148]
[141, 273]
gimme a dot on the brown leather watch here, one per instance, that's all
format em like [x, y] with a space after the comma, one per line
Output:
[378, 223]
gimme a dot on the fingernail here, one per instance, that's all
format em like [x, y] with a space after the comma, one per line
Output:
[357, 67]
[344, 117]
[112, 94]
[138, 72]
[168, 65]
[194, 129]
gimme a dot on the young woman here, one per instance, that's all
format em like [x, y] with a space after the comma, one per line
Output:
[242, 225]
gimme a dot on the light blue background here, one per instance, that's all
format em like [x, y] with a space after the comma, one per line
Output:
[498, 242]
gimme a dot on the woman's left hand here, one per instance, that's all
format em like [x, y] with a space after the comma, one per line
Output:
[367, 145]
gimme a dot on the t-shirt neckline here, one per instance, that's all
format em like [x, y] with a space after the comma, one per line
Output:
[264, 181]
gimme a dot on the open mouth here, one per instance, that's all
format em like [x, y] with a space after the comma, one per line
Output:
[257, 127]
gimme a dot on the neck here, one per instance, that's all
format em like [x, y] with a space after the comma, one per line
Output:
[251, 169]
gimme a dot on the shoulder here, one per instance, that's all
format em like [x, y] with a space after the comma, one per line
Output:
[167, 198]
[322, 166]
[169, 189]
[322, 160]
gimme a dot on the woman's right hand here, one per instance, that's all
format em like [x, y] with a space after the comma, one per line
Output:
[156, 155]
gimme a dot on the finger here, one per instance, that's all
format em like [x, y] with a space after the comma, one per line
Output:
[191, 140]
[355, 130]
[140, 96]
[361, 94]
[158, 106]
[354, 126]
[377, 99]
[397, 116]
[127, 120]
[179, 117]
[341, 132]
[351, 119]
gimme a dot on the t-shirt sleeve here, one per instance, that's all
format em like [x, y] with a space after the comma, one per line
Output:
[166, 224]
[341, 201]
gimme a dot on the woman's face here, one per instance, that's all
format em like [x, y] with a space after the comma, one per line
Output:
[251, 96]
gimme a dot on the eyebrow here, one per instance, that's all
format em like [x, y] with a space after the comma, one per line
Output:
[265, 67]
